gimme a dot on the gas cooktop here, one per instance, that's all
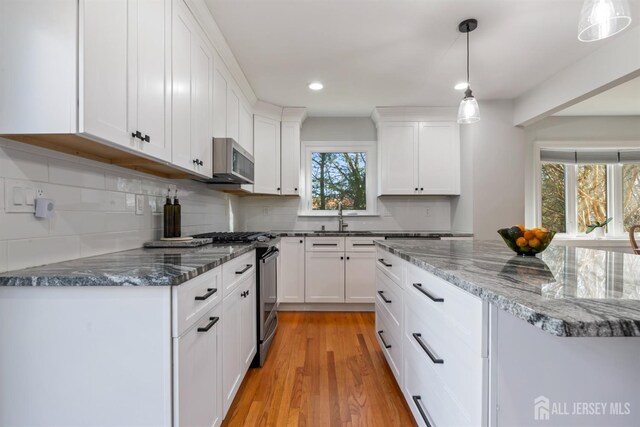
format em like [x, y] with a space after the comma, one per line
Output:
[235, 237]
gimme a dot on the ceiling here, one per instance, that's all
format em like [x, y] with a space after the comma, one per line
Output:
[621, 100]
[397, 52]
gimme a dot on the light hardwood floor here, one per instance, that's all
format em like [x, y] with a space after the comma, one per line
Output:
[324, 369]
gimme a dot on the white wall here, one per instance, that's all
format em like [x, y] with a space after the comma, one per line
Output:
[95, 207]
[498, 169]
[338, 129]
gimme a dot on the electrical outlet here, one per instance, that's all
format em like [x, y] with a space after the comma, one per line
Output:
[39, 193]
[265, 211]
[139, 204]
[427, 212]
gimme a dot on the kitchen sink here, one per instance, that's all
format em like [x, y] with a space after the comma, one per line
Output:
[341, 232]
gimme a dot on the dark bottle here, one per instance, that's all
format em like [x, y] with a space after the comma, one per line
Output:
[177, 219]
[168, 216]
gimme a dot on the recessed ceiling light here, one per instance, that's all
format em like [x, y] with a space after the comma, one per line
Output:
[316, 86]
[461, 86]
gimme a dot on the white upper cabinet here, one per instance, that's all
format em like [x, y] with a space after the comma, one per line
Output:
[266, 134]
[290, 148]
[439, 155]
[192, 104]
[233, 114]
[419, 158]
[219, 99]
[246, 128]
[124, 67]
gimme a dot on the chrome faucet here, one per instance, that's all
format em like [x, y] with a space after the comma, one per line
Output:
[341, 224]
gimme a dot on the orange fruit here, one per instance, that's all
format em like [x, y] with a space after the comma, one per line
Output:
[522, 242]
[540, 235]
[529, 235]
[521, 227]
[535, 243]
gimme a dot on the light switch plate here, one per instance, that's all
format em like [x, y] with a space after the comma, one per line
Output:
[139, 204]
[19, 195]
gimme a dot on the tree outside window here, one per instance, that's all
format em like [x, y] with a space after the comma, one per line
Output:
[338, 177]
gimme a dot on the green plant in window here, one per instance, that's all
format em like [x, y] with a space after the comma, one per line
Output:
[597, 224]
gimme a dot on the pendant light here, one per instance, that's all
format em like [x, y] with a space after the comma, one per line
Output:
[600, 19]
[469, 112]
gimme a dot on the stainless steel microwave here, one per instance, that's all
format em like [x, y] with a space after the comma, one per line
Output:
[232, 164]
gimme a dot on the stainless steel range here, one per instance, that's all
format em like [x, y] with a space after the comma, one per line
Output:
[266, 283]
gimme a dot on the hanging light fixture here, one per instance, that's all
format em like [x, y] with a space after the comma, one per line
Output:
[600, 19]
[469, 112]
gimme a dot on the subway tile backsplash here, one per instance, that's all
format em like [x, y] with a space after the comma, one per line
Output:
[95, 207]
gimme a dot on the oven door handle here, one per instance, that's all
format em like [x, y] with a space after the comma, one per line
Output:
[275, 328]
[273, 253]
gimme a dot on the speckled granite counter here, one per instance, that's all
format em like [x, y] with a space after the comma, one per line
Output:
[567, 291]
[137, 267]
[355, 233]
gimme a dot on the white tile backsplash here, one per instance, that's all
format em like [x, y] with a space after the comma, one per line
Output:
[95, 207]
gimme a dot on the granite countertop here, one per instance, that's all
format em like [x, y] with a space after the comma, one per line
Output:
[137, 267]
[567, 291]
[364, 233]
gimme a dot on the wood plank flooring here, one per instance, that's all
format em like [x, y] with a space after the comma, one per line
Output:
[324, 369]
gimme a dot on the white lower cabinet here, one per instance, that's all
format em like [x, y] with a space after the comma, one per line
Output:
[324, 276]
[291, 274]
[197, 373]
[433, 336]
[360, 277]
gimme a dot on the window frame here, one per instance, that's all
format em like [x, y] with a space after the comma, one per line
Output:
[615, 208]
[309, 147]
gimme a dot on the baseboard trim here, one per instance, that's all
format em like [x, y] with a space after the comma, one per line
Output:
[294, 306]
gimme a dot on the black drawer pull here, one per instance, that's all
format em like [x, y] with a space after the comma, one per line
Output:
[210, 292]
[383, 341]
[247, 267]
[363, 244]
[434, 357]
[385, 263]
[325, 244]
[423, 414]
[214, 320]
[418, 286]
[147, 138]
[381, 293]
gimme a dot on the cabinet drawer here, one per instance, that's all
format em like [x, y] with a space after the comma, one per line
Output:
[361, 244]
[458, 372]
[427, 393]
[392, 265]
[195, 297]
[390, 343]
[237, 269]
[462, 315]
[389, 298]
[324, 244]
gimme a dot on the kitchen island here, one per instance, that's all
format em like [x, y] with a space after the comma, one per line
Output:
[478, 336]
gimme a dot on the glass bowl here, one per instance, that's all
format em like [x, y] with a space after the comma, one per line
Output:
[527, 242]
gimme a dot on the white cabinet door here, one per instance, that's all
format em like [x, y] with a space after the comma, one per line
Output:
[219, 99]
[233, 113]
[104, 68]
[291, 277]
[324, 277]
[290, 148]
[149, 43]
[201, 104]
[231, 347]
[249, 322]
[181, 102]
[398, 153]
[246, 128]
[266, 153]
[197, 399]
[439, 158]
[360, 277]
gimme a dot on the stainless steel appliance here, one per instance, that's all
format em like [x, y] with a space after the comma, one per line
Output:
[232, 164]
[266, 284]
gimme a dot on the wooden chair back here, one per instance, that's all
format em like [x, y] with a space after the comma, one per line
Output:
[632, 238]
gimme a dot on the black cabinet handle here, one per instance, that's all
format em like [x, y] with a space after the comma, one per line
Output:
[295, 189]
[147, 138]
[195, 161]
[278, 189]
[417, 400]
[363, 244]
[383, 262]
[434, 357]
[247, 267]
[137, 134]
[421, 189]
[325, 244]
[214, 320]
[381, 293]
[200, 162]
[210, 292]
[301, 241]
[341, 257]
[247, 294]
[382, 339]
[416, 188]
[418, 286]
[348, 258]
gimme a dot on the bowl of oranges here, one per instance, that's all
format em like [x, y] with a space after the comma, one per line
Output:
[525, 241]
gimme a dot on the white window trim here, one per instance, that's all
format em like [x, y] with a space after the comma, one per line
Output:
[368, 147]
[614, 186]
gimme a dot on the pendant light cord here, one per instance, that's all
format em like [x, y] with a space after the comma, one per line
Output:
[468, 82]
